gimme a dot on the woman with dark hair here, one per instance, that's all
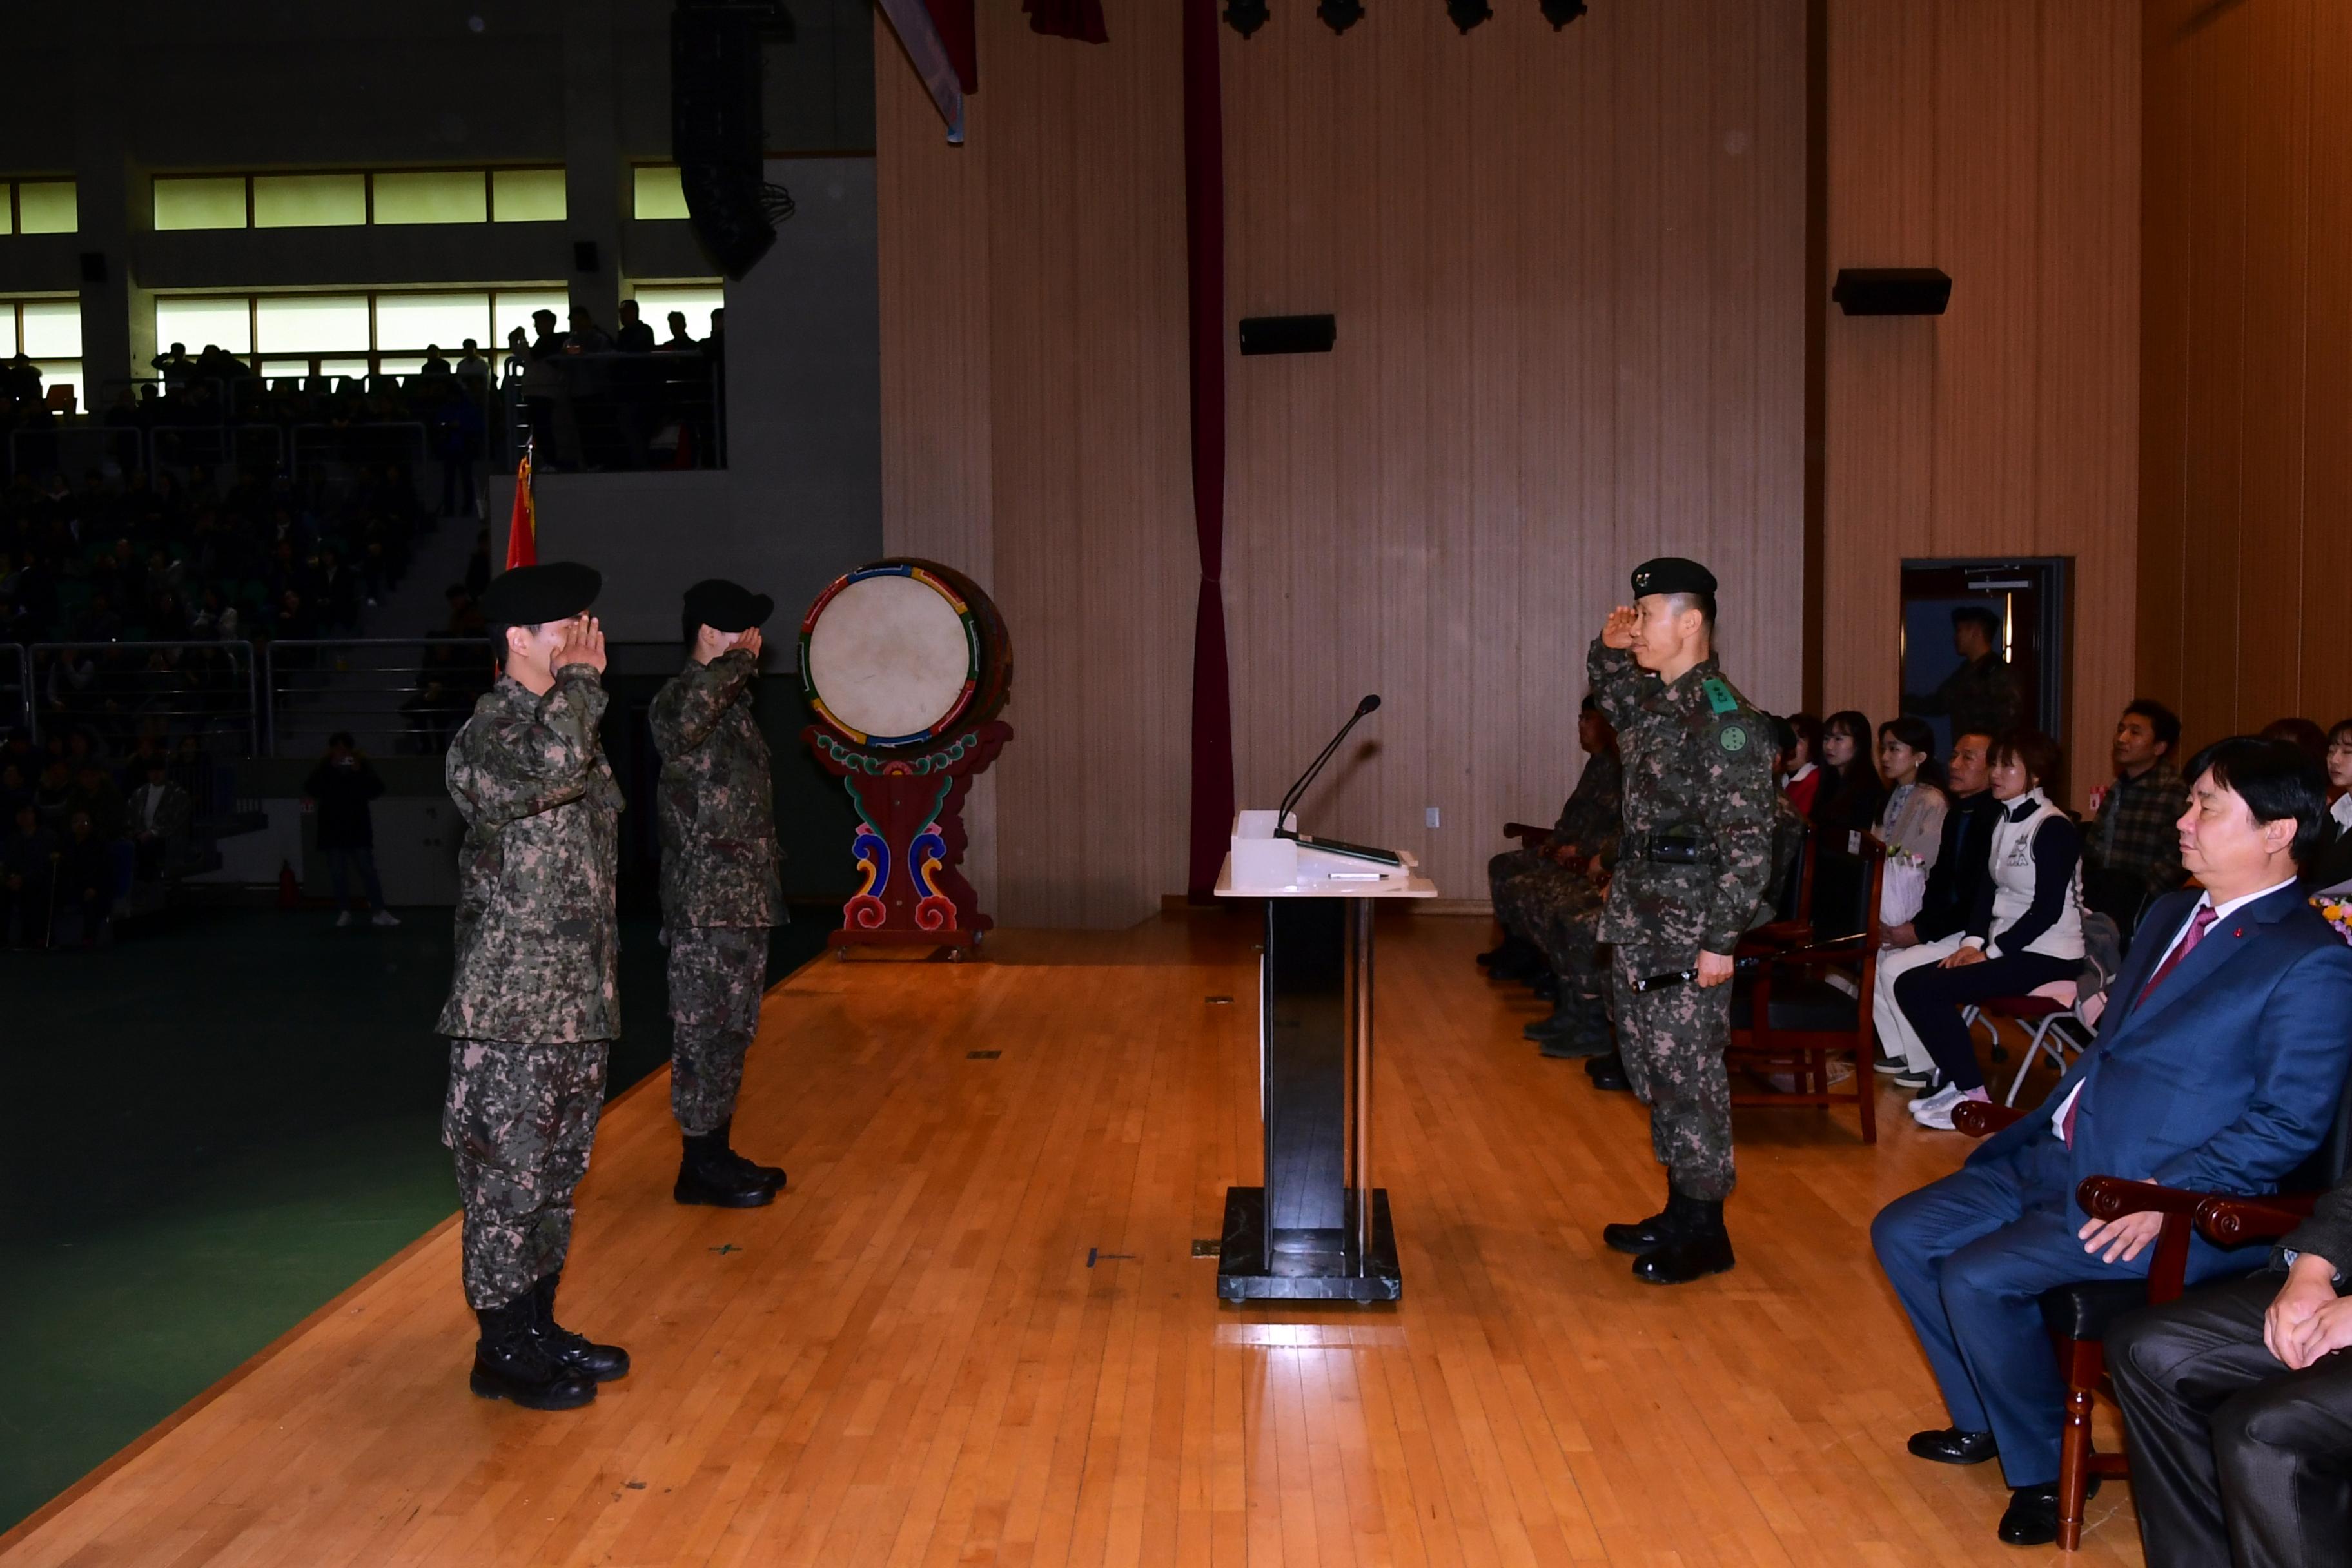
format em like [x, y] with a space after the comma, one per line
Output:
[1805, 771]
[1851, 794]
[2026, 931]
[1912, 818]
[2337, 760]
[2301, 733]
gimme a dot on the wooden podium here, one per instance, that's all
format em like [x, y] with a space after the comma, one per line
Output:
[1319, 1229]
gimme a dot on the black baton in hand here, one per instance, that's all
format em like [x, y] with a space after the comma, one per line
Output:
[1746, 965]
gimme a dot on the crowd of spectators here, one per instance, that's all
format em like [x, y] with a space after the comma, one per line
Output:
[78, 833]
[590, 399]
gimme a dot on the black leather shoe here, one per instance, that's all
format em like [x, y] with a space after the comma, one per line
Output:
[1696, 1244]
[2032, 1516]
[574, 1353]
[1609, 1073]
[512, 1363]
[1951, 1445]
[706, 1177]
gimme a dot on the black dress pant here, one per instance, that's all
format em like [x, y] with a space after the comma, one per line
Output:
[2234, 1458]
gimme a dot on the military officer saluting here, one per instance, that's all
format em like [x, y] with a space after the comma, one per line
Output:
[535, 1002]
[1692, 868]
[720, 888]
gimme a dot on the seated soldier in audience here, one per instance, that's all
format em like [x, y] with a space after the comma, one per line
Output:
[2131, 853]
[1963, 857]
[1591, 808]
[1560, 902]
[27, 862]
[2238, 1401]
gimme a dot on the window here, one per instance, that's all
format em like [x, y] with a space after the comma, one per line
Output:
[658, 193]
[513, 309]
[527, 195]
[346, 333]
[696, 300]
[344, 199]
[49, 333]
[38, 207]
[309, 201]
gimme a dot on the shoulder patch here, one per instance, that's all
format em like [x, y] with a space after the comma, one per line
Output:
[1733, 737]
[1720, 695]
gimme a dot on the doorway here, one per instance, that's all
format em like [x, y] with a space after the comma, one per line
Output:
[2025, 606]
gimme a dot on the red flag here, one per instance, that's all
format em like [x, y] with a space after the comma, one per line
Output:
[522, 530]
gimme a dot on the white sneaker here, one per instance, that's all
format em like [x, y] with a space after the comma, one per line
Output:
[384, 918]
[1936, 1110]
[342, 919]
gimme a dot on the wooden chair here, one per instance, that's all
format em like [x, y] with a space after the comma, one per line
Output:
[2078, 1316]
[1791, 1019]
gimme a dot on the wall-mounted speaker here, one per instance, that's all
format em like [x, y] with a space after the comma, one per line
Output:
[583, 256]
[716, 132]
[1288, 334]
[1892, 291]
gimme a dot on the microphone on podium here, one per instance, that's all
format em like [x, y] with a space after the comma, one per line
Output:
[1282, 814]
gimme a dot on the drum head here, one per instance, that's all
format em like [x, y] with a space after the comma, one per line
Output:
[891, 657]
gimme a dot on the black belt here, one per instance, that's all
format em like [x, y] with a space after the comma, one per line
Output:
[1666, 850]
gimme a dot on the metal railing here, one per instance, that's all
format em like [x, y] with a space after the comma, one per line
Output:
[395, 695]
[608, 411]
[74, 449]
[15, 688]
[401, 440]
[217, 447]
[122, 690]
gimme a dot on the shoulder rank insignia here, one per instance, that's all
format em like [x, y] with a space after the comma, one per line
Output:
[1720, 695]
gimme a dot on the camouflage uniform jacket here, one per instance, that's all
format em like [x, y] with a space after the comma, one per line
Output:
[1595, 813]
[1698, 765]
[537, 939]
[718, 811]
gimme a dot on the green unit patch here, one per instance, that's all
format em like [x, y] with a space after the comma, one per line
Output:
[1720, 695]
[1734, 738]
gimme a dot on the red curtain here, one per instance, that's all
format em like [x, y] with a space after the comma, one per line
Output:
[1204, 228]
[960, 35]
[1080, 19]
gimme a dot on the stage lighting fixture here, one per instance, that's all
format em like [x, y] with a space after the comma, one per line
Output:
[1560, 13]
[1340, 15]
[1244, 17]
[1468, 14]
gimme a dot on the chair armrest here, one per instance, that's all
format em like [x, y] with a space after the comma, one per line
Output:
[1529, 835]
[1774, 935]
[2111, 1197]
[1982, 1118]
[2240, 1221]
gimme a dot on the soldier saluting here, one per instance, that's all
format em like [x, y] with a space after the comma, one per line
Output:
[535, 1002]
[1691, 867]
[720, 890]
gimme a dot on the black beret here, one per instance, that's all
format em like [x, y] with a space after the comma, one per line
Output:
[1671, 575]
[534, 596]
[726, 607]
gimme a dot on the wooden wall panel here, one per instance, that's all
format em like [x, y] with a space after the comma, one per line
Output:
[2247, 390]
[1566, 271]
[1999, 141]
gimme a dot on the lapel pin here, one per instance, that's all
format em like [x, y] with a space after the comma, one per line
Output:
[2240, 932]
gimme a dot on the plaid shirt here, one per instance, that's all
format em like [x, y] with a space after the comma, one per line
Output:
[2136, 831]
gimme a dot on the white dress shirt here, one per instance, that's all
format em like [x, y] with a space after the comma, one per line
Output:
[2341, 810]
[2220, 913]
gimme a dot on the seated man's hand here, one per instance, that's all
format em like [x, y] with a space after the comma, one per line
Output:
[2309, 1290]
[2124, 1239]
[2330, 1329]
[1904, 935]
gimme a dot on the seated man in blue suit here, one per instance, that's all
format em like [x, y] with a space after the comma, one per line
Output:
[2217, 1068]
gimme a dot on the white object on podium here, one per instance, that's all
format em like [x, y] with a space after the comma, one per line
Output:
[1261, 866]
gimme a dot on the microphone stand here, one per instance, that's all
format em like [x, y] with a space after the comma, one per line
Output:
[1299, 790]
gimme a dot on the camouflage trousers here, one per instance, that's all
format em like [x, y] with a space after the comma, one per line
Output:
[717, 976]
[1672, 1041]
[1564, 918]
[520, 1118]
[1511, 878]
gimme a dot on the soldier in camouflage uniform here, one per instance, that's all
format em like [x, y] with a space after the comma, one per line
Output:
[535, 1000]
[1523, 884]
[720, 888]
[1980, 697]
[1691, 871]
[1561, 907]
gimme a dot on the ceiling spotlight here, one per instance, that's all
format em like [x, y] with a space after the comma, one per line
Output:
[1560, 13]
[1468, 14]
[1340, 15]
[1244, 17]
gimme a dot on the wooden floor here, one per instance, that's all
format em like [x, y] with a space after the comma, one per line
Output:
[973, 1332]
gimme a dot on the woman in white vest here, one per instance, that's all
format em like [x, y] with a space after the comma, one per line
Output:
[2026, 931]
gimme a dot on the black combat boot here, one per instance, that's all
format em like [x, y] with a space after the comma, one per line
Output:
[712, 1174]
[513, 1363]
[1561, 1021]
[1697, 1247]
[1583, 1031]
[1512, 952]
[574, 1353]
[772, 1175]
[1643, 1237]
[1609, 1073]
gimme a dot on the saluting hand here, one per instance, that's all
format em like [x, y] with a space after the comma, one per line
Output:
[1618, 630]
[582, 643]
[749, 642]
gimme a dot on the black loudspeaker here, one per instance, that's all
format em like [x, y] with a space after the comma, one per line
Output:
[583, 256]
[715, 134]
[93, 267]
[1892, 291]
[1288, 334]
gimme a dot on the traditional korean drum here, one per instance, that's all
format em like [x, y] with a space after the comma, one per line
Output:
[899, 653]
